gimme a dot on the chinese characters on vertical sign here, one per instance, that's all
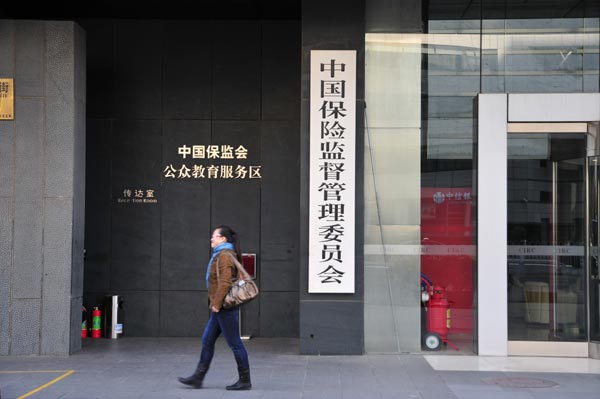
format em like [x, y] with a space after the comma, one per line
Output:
[7, 99]
[332, 171]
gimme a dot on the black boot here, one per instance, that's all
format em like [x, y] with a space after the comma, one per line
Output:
[243, 384]
[195, 380]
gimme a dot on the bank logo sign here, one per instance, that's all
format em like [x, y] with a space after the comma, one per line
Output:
[331, 254]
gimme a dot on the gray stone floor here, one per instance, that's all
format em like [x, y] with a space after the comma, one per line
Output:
[147, 368]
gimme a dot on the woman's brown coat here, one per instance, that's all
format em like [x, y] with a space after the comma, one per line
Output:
[219, 287]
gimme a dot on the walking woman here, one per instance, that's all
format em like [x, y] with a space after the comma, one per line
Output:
[225, 245]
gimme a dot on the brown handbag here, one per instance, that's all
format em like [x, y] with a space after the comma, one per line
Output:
[243, 288]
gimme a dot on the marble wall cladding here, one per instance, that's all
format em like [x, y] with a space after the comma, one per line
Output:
[57, 255]
[76, 320]
[27, 265]
[7, 134]
[60, 101]
[6, 222]
[25, 327]
[30, 58]
[7, 55]
[153, 87]
[37, 184]
[29, 148]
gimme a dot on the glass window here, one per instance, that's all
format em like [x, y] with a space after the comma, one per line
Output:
[546, 236]
[419, 189]
[421, 119]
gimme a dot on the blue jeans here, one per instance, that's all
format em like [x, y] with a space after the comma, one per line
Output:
[226, 321]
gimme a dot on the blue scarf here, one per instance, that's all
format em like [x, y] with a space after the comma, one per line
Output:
[216, 250]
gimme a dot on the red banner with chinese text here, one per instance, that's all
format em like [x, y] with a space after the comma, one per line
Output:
[447, 256]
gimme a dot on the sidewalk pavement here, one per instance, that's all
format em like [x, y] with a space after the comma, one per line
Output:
[148, 368]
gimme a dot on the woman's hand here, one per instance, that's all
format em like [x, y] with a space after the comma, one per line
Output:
[214, 309]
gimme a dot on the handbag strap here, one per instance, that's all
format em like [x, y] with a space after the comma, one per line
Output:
[241, 270]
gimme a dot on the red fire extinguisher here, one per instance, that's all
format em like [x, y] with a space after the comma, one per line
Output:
[438, 315]
[439, 312]
[96, 321]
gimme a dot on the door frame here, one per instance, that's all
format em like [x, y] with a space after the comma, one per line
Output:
[495, 114]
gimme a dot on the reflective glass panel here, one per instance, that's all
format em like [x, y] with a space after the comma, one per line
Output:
[546, 235]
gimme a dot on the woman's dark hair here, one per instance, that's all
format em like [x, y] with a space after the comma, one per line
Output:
[232, 238]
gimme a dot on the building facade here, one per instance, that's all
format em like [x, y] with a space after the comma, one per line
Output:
[437, 190]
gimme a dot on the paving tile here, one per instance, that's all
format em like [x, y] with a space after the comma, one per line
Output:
[148, 368]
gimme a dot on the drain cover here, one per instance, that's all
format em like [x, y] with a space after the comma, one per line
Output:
[520, 382]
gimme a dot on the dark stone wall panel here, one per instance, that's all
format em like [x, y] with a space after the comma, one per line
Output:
[237, 202]
[140, 310]
[281, 70]
[138, 69]
[185, 211]
[185, 235]
[98, 205]
[177, 133]
[101, 84]
[280, 148]
[250, 316]
[235, 133]
[100, 36]
[136, 160]
[190, 83]
[187, 70]
[141, 313]
[96, 274]
[183, 313]
[279, 276]
[135, 247]
[236, 70]
[280, 201]
[331, 327]
[99, 139]
[279, 314]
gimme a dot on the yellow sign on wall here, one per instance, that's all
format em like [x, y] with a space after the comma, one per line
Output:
[7, 99]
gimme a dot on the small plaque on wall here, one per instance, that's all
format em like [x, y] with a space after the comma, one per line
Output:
[7, 99]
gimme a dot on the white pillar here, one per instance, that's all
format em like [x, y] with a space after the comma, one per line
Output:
[492, 225]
